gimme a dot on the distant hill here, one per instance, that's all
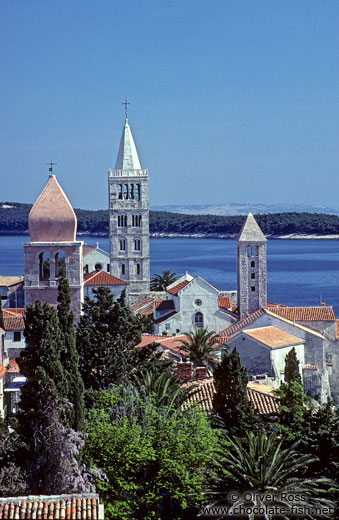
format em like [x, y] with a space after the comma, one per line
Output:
[232, 208]
[14, 215]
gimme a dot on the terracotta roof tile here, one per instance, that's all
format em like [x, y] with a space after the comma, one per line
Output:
[224, 302]
[87, 249]
[102, 278]
[3, 371]
[337, 328]
[311, 367]
[304, 313]
[62, 507]
[239, 325]
[273, 337]
[13, 312]
[262, 400]
[13, 366]
[174, 290]
[6, 281]
[14, 323]
[147, 311]
[141, 303]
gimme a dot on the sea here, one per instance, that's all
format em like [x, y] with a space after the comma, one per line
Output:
[299, 272]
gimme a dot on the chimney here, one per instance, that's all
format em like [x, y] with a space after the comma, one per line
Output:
[200, 373]
[184, 370]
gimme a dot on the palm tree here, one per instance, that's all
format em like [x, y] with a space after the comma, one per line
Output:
[159, 282]
[166, 388]
[203, 348]
[261, 468]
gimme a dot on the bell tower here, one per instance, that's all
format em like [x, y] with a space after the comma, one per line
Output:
[251, 268]
[53, 249]
[129, 216]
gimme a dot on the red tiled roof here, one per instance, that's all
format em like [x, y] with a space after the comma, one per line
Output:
[239, 325]
[63, 507]
[224, 302]
[13, 312]
[141, 303]
[337, 328]
[164, 305]
[273, 337]
[170, 343]
[14, 323]
[304, 313]
[3, 371]
[174, 290]
[87, 249]
[147, 311]
[311, 367]
[102, 278]
[262, 399]
[13, 366]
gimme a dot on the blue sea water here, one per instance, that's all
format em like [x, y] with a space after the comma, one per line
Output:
[299, 272]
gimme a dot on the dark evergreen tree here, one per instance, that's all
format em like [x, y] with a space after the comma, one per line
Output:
[70, 359]
[291, 410]
[2, 323]
[106, 339]
[230, 400]
[292, 372]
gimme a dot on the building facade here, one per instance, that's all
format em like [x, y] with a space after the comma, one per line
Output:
[129, 216]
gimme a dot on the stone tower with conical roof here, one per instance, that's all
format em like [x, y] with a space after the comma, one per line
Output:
[52, 249]
[129, 216]
[251, 267]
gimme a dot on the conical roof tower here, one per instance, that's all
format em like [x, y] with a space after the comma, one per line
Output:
[127, 158]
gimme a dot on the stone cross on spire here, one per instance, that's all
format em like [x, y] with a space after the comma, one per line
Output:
[126, 103]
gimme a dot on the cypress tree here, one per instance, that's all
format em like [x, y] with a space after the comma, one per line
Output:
[2, 324]
[230, 399]
[292, 372]
[40, 364]
[69, 357]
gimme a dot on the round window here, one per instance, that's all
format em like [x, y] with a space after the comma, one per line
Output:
[98, 267]
[198, 301]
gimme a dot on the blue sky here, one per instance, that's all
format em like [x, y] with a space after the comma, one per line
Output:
[231, 100]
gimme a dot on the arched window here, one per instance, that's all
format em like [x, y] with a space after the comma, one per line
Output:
[125, 191]
[125, 220]
[137, 191]
[120, 191]
[122, 244]
[199, 319]
[253, 263]
[60, 264]
[131, 191]
[44, 267]
[98, 267]
[137, 245]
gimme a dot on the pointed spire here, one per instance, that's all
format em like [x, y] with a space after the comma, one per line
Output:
[127, 156]
[250, 231]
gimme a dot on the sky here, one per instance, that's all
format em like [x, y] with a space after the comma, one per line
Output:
[231, 100]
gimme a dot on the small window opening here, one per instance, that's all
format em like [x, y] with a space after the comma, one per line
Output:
[17, 336]
[253, 263]
[137, 192]
[122, 245]
[137, 245]
[44, 267]
[125, 191]
[138, 268]
[131, 191]
[60, 265]
[253, 276]
[120, 191]
[199, 319]
[253, 288]
[108, 268]
[123, 269]
[98, 267]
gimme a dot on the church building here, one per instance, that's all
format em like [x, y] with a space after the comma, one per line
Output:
[52, 249]
[129, 216]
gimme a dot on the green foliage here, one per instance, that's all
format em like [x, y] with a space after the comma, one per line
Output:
[292, 372]
[14, 220]
[12, 476]
[148, 454]
[203, 348]
[69, 358]
[259, 464]
[292, 409]
[230, 399]
[159, 282]
[106, 339]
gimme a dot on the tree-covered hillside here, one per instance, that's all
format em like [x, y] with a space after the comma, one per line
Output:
[13, 220]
